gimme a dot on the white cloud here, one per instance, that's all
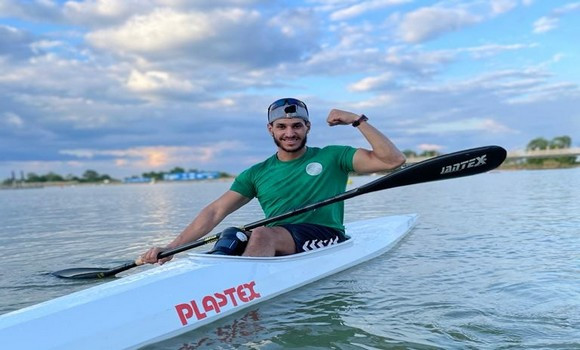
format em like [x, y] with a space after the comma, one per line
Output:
[92, 10]
[162, 29]
[545, 92]
[550, 22]
[374, 102]
[219, 104]
[42, 45]
[10, 119]
[571, 7]
[430, 147]
[363, 7]
[418, 61]
[156, 81]
[373, 83]
[460, 126]
[14, 43]
[232, 37]
[157, 156]
[36, 10]
[502, 6]
[545, 24]
[494, 126]
[494, 49]
[430, 22]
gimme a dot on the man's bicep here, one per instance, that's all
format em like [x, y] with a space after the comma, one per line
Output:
[365, 162]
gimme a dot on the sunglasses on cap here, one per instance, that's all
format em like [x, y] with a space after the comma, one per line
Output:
[293, 108]
[286, 101]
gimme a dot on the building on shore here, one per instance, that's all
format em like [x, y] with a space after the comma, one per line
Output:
[186, 176]
[192, 175]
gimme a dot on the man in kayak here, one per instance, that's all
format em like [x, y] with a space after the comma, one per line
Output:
[296, 175]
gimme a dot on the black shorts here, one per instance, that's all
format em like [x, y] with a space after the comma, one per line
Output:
[311, 236]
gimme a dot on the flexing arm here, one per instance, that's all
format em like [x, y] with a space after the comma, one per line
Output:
[384, 155]
[206, 220]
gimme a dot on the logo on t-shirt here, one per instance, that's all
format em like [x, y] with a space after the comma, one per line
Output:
[314, 169]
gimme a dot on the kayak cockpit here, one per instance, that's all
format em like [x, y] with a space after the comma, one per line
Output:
[307, 254]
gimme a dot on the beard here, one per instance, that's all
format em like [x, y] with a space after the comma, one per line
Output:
[297, 149]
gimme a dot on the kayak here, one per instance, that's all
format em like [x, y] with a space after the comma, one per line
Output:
[187, 293]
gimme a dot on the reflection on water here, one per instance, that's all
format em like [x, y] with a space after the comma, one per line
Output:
[242, 329]
[493, 263]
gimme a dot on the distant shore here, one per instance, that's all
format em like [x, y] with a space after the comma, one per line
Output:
[545, 166]
[35, 185]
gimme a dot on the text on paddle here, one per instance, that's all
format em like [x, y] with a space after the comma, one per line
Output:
[241, 294]
[471, 163]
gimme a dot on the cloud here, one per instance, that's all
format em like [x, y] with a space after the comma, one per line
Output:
[374, 102]
[499, 7]
[430, 22]
[156, 157]
[161, 30]
[546, 92]
[14, 43]
[363, 7]
[373, 83]
[11, 120]
[461, 126]
[412, 64]
[44, 10]
[102, 12]
[430, 147]
[545, 24]
[153, 83]
[505, 86]
[216, 36]
[484, 51]
[551, 22]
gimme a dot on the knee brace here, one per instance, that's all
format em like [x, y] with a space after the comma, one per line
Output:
[232, 241]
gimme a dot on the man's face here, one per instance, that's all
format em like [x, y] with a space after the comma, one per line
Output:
[289, 134]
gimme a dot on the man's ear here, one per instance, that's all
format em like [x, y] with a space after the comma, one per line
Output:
[307, 127]
[269, 127]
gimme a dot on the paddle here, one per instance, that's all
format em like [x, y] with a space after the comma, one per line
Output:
[448, 166]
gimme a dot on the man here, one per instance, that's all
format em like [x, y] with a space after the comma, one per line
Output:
[296, 175]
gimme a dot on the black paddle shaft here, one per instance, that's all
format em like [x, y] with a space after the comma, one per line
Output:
[449, 166]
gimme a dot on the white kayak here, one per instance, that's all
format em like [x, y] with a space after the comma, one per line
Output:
[187, 293]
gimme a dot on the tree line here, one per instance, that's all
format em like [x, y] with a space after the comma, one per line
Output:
[539, 143]
[89, 176]
[412, 154]
[558, 142]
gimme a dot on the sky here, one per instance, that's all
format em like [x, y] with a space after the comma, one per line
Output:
[132, 86]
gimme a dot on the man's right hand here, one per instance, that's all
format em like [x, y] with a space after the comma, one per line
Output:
[340, 117]
[150, 257]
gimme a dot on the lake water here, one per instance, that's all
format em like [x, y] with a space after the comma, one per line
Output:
[494, 263]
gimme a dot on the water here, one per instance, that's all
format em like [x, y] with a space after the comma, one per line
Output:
[494, 263]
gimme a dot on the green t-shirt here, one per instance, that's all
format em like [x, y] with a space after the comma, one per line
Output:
[280, 186]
